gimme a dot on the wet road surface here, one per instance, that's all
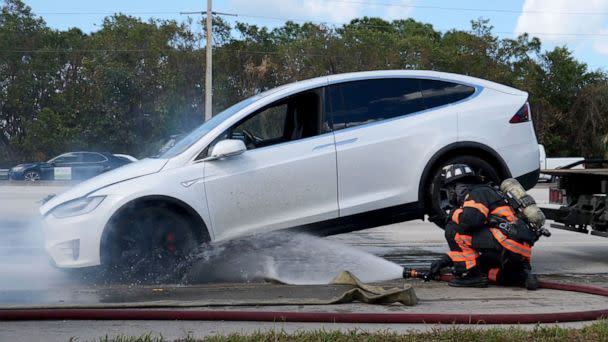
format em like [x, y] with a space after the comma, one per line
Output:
[26, 276]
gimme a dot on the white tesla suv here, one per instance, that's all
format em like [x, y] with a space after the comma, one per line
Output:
[330, 154]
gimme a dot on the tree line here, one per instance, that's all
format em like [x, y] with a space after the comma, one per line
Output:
[128, 86]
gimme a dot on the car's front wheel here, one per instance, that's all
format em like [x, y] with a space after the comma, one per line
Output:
[148, 243]
[31, 176]
[437, 203]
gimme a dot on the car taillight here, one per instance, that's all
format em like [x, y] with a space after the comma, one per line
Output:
[522, 115]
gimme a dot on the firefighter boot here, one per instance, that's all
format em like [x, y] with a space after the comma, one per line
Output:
[530, 281]
[472, 278]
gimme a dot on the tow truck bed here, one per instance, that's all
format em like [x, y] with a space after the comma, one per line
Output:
[582, 172]
[583, 196]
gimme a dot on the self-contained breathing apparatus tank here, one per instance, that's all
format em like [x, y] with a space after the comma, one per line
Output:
[525, 205]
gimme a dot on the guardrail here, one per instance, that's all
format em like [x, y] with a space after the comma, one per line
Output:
[3, 174]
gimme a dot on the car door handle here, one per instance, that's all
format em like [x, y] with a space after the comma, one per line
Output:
[346, 142]
[320, 147]
[343, 142]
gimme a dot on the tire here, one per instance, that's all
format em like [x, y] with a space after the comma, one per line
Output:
[147, 244]
[31, 176]
[437, 204]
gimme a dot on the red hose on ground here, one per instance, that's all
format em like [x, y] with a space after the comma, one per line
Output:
[324, 317]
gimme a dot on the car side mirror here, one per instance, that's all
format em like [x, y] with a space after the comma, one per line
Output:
[227, 148]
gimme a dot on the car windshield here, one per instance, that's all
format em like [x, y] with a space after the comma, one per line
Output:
[205, 128]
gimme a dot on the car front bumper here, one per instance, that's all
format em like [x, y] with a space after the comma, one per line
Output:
[74, 242]
[15, 175]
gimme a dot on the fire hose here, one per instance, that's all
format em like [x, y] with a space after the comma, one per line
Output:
[319, 317]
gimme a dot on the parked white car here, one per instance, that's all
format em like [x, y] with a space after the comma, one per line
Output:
[330, 154]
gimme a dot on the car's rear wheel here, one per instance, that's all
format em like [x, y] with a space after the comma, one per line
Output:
[31, 176]
[437, 204]
[148, 244]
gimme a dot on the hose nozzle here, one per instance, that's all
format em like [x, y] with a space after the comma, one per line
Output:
[411, 273]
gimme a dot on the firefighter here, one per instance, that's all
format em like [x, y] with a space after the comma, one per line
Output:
[487, 241]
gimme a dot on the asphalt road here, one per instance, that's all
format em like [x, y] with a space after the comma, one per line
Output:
[26, 277]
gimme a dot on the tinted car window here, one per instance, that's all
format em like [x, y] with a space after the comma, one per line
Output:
[438, 93]
[360, 102]
[66, 158]
[93, 158]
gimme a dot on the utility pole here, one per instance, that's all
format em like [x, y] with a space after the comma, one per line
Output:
[209, 57]
[209, 71]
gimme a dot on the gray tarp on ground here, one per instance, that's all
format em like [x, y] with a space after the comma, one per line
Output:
[345, 288]
[373, 294]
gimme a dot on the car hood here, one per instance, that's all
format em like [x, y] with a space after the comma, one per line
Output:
[126, 172]
[26, 165]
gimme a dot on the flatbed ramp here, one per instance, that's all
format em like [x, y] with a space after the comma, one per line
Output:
[586, 172]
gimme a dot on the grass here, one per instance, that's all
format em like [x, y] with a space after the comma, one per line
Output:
[596, 332]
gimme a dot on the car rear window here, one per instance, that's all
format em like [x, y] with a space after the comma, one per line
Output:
[439, 93]
[355, 103]
[93, 158]
[360, 102]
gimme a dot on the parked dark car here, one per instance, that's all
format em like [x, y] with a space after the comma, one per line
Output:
[68, 166]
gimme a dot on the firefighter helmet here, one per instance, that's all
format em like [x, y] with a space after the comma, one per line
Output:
[459, 172]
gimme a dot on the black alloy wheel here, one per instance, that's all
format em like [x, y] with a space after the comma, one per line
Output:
[148, 245]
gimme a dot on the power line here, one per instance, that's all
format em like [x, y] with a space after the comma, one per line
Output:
[383, 26]
[212, 12]
[333, 23]
[368, 3]
[105, 13]
[468, 9]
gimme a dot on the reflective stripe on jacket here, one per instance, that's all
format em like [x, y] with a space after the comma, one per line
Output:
[522, 249]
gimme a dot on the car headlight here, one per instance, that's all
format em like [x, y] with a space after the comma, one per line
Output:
[77, 207]
[17, 169]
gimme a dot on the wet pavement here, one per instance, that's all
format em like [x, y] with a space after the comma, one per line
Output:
[26, 276]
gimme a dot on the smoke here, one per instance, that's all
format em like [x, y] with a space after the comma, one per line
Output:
[27, 275]
[24, 264]
[287, 257]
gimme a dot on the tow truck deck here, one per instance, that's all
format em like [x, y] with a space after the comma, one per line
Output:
[583, 198]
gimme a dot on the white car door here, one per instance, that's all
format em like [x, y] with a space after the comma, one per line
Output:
[286, 178]
[385, 135]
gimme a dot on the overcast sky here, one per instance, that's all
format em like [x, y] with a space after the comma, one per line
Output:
[582, 25]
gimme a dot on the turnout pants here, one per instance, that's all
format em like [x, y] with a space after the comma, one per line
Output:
[489, 252]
